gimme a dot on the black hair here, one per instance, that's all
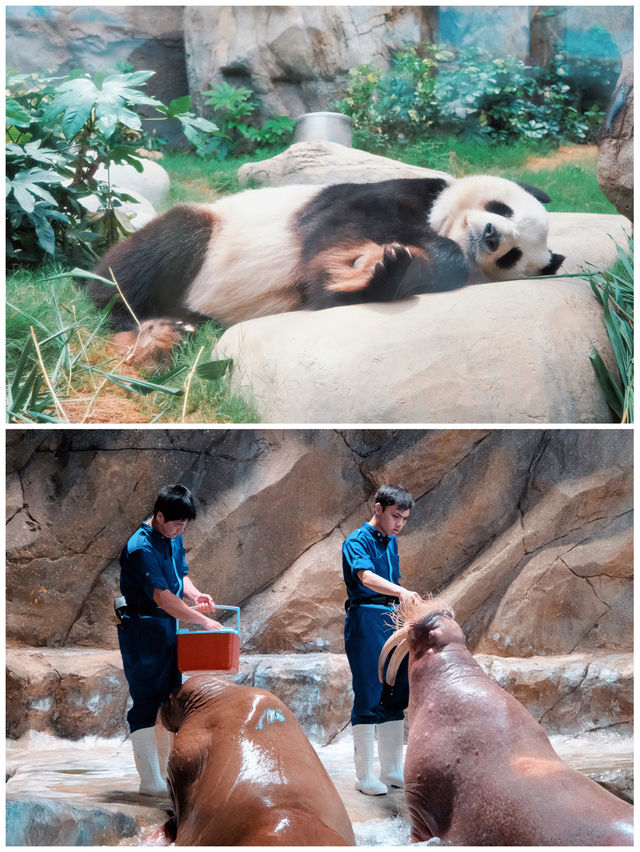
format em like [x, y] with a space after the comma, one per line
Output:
[176, 503]
[392, 495]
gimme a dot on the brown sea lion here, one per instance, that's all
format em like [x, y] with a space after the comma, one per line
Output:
[479, 769]
[242, 772]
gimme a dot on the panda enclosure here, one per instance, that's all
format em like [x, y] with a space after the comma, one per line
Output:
[295, 58]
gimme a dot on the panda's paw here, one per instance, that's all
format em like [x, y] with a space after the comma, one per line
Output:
[395, 259]
[391, 271]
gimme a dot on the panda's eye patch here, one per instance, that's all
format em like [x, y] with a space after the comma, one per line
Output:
[509, 259]
[499, 209]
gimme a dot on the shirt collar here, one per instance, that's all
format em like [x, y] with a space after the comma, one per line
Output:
[381, 537]
[153, 533]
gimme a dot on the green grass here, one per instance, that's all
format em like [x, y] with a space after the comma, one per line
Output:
[204, 180]
[208, 401]
[32, 301]
[59, 368]
[572, 185]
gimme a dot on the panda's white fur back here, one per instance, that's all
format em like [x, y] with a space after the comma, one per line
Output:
[253, 255]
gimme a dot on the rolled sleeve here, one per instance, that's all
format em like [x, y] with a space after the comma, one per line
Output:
[358, 557]
[145, 566]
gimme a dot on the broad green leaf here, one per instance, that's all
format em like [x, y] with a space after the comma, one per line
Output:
[198, 122]
[43, 155]
[107, 123]
[128, 117]
[74, 101]
[134, 78]
[76, 116]
[23, 197]
[179, 105]
[42, 193]
[16, 115]
[46, 236]
[37, 175]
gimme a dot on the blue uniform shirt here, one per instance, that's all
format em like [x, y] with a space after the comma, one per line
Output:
[368, 549]
[150, 560]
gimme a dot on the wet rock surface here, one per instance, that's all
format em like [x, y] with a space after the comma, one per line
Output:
[71, 693]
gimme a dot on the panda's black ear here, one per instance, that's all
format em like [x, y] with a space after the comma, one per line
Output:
[538, 193]
[554, 264]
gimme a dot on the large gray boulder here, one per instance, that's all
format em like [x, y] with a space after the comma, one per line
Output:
[504, 352]
[328, 162]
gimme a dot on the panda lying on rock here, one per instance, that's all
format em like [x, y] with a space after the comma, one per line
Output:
[265, 251]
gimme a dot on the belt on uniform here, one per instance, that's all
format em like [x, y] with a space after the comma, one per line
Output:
[379, 600]
[122, 609]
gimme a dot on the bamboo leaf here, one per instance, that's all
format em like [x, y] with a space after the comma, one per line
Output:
[27, 350]
[29, 385]
[213, 370]
[139, 385]
[607, 383]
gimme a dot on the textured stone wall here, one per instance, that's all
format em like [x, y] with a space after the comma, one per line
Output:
[528, 531]
[296, 58]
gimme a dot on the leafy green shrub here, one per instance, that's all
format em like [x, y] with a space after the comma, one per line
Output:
[614, 291]
[60, 130]
[466, 92]
[232, 108]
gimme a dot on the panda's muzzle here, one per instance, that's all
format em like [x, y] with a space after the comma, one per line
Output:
[491, 237]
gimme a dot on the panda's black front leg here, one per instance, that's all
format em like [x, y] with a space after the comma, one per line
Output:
[362, 271]
[404, 271]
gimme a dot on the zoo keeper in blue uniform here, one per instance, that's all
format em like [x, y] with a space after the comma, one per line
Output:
[154, 580]
[371, 570]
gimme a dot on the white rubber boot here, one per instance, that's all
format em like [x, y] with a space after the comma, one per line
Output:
[145, 753]
[164, 744]
[366, 781]
[390, 740]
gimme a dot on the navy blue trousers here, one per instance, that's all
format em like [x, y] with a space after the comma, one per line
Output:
[366, 629]
[150, 659]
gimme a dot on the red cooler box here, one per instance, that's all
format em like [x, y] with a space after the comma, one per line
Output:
[209, 651]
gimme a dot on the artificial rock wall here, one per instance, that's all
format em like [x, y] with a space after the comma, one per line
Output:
[529, 532]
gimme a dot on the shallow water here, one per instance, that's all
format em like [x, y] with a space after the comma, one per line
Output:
[392, 831]
[84, 792]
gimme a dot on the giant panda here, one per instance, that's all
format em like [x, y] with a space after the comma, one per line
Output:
[265, 251]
